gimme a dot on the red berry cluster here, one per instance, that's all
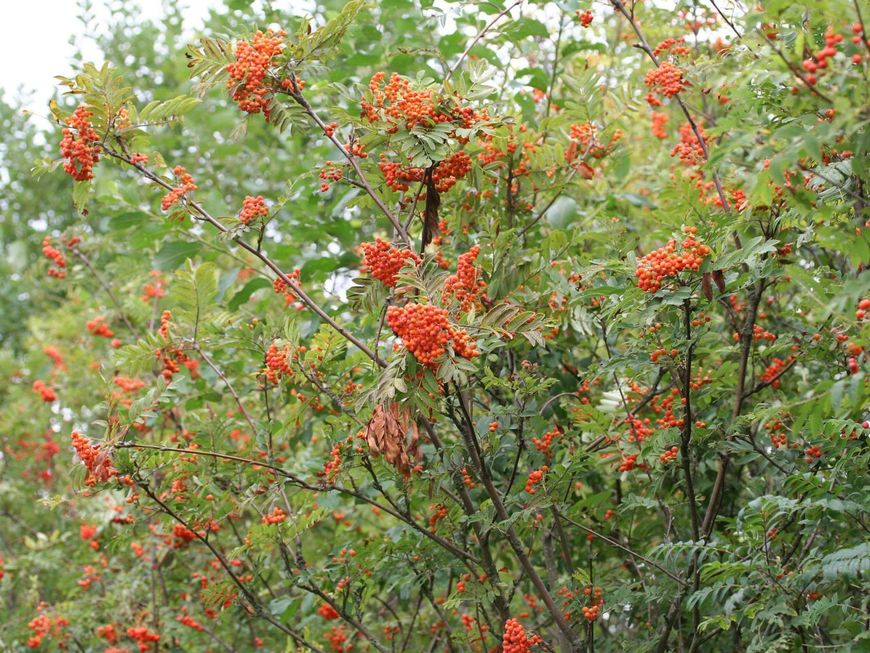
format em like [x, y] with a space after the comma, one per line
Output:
[465, 285]
[451, 170]
[190, 622]
[628, 462]
[186, 184]
[98, 327]
[817, 63]
[79, 145]
[53, 254]
[48, 394]
[585, 17]
[44, 626]
[383, 261]
[535, 477]
[426, 332]
[666, 80]
[659, 120]
[515, 639]
[690, 150]
[439, 512]
[773, 371]
[253, 207]
[139, 159]
[328, 612]
[666, 261]
[97, 462]
[544, 443]
[863, 309]
[674, 47]
[165, 320]
[143, 636]
[669, 455]
[249, 70]
[398, 177]
[277, 364]
[398, 102]
[591, 612]
[337, 639]
[275, 517]
[330, 172]
[811, 454]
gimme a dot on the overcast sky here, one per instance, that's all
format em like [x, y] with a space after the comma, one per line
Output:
[34, 42]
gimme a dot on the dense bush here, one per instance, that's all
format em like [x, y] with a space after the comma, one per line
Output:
[454, 327]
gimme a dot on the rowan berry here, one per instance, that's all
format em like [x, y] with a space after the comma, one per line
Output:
[252, 208]
[48, 394]
[585, 17]
[515, 639]
[666, 80]
[328, 612]
[535, 477]
[248, 72]
[79, 145]
[275, 517]
[97, 462]
[465, 285]
[659, 120]
[383, 261]
[667, 261]
[426, 332]
[186, 184]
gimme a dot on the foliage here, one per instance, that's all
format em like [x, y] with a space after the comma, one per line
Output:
[600, 384]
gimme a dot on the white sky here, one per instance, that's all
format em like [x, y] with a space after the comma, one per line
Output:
[34, 42]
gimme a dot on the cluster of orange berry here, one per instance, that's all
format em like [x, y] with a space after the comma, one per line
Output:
[585, 135]
[535, 477]
[327, 612]
[515, 639]
[465, 285]
[337, 638]
[48, 394]
[97, 462]
[451, 170]
[98, 327]
[628, 462]
[143, 637]
[53, 254]
[773, 371]
[592, 612]
[544, 443]
[79, 145]
[666, 80]
[690, 150]
[383, 261]
[659, 120]
[186, 184]
[439, 512]
[165, 320]
[398, 177]
[44, 626]
[426, 332]
[281, 287]
[277, 364]
[812, 454]
[249, 70]
[190, 622]
[666, 261]
[819, 60]
[252, 208]
[330, 172]
[669, 455]
[585, 17]
[275, 517]
[672, 46]
[863, 308]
